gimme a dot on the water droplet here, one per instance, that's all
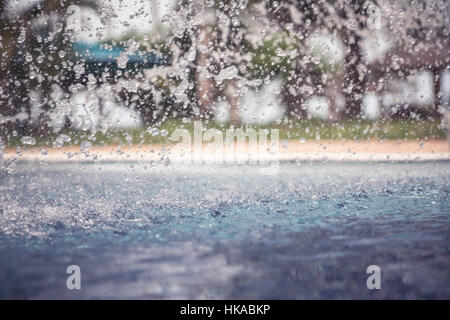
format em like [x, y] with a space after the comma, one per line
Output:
[28, 140]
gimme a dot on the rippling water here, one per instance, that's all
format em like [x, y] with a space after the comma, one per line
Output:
[309, 231]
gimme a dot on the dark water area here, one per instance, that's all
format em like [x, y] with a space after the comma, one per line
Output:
[196, 232]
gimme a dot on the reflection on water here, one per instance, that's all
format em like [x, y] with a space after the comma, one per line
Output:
[225, 232]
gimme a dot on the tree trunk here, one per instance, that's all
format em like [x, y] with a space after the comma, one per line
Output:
[354, 80]
[437, 91]
[231, 93]
[204, 86]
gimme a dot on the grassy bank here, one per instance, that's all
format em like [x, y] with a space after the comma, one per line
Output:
[288, 130]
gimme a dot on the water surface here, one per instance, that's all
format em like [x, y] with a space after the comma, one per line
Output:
[141, 231]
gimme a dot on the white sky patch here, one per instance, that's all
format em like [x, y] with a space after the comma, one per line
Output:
[19, 5]
[263, 106]
[376, 46]
[445, 88]
[328, 46]
[371, 106]
[417, 90]
[130, 16]
[121, 17]
[318, 107]
[259, 107]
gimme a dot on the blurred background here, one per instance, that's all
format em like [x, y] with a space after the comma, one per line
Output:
[129, 71]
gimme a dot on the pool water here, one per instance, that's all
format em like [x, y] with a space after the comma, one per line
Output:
[222, 232]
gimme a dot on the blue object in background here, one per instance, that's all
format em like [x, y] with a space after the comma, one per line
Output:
[101, 61]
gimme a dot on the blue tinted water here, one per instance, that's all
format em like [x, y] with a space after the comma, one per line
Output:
[310, 231]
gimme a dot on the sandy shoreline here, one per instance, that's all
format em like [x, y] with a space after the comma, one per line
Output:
[321, 150]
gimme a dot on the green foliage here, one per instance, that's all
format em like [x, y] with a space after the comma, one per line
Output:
[289, 130]
[322, 63]
[276, 55]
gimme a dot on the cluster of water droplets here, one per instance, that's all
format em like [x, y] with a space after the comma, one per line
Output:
[215, 51]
